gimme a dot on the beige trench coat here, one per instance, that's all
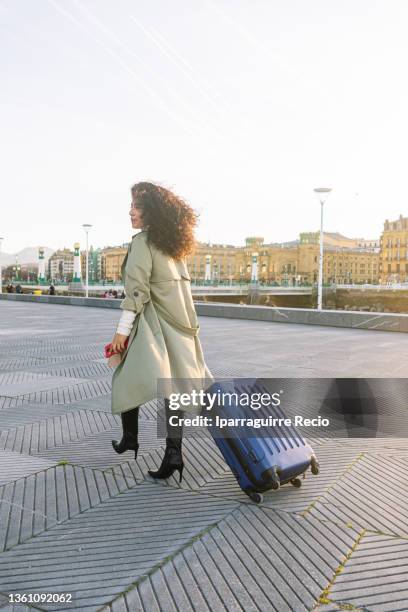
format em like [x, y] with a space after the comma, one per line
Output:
[163, 343]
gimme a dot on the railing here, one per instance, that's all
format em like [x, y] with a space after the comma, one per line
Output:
[385, 286]
[214, 287]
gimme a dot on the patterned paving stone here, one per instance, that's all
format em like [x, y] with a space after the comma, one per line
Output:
[382, 446]
[24, 362]
[318, 441]
[66, 393]
[5, 606]
[30, 413]
[56, 431]
[7, 402]
[96, 451]
[51, 349]
[253, 560]
[200, 544]
[373, 494]
[334, 462]
[203, 462]
[15, 364]
[103, 403]
[330, 607]
[16, 465]
[375, 578]
[8, 345]
[91, 370]
[70, 364]
[7, 378]
[99, 553]
[39, 501]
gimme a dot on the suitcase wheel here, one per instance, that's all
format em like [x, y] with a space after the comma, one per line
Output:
[296, 482]
[314, 466]
[275, 484]
[271, 477]
[256, 497]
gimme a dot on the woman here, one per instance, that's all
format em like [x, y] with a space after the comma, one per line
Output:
[159, 318]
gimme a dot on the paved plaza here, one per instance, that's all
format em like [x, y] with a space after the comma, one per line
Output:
[77, 518]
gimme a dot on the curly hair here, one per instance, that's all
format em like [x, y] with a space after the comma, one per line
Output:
[169, 221]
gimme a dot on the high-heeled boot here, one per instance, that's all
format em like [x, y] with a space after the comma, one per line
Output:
[129, 441]
[173, 458]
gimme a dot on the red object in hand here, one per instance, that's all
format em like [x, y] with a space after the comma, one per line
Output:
[108, 349]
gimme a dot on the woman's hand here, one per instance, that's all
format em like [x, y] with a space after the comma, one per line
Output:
[118, 342]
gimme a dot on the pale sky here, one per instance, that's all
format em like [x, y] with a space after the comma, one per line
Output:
[240, 106]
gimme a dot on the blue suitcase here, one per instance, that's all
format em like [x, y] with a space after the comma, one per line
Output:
[264, 462]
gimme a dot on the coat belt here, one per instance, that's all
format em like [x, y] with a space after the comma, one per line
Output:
[192, 331]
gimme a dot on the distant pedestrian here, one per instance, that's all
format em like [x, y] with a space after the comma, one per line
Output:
[19, 288]
[51, 290]
[114, 294]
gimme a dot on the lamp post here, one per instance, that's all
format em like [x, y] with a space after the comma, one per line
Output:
[86, 227]
[322, 194]
[16, 270]
[1, 284]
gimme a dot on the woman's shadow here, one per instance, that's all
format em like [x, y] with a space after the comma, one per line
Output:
[351, 406]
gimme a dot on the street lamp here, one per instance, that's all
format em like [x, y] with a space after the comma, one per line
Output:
[1, 284]
[86, 227]
[322, 194]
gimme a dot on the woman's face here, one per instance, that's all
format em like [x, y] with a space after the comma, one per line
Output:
[135, 213]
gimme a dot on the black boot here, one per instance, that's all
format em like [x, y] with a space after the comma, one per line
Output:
[129, 441]
[173, 458]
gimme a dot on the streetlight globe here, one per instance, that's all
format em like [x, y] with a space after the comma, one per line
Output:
[322, 193]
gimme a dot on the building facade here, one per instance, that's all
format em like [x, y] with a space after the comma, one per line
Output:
[94, 264]
[111, 262]
[291, 263]
[61, 265]
[394, 251]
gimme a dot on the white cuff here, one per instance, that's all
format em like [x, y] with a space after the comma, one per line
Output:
[125, 323]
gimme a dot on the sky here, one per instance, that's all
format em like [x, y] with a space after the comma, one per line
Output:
[242, 107]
